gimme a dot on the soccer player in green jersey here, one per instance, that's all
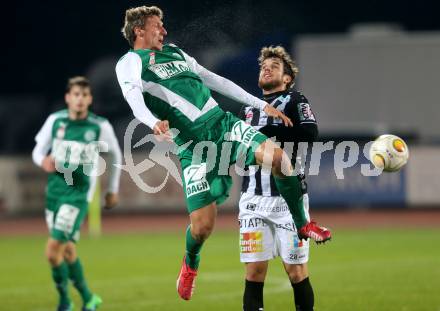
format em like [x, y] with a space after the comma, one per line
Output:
[166, 88]
[67, 148]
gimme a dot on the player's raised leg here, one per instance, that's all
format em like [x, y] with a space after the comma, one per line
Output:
[269, 155]
[202, 224]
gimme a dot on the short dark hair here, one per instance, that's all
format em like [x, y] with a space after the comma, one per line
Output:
[79, 81]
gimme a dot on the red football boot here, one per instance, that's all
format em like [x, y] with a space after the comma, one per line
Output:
[186, 281]
[317, 233]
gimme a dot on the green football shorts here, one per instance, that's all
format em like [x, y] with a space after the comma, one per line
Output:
[64, 218]
[205, 164]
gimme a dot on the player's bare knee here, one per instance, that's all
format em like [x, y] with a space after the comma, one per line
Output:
[297, 273]
[297, 277]
[256, 273]
[202, 222]
[202, 231]
[70, 253]
[54, 253]
[52, 258]
[277, 163]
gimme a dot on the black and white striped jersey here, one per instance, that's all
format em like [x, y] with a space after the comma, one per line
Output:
[305, 129]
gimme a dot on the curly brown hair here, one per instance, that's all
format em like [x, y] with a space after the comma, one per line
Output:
[278, 51]
[136, 17]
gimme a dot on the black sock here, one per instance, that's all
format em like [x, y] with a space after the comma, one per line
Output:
[304, 297]
[253, 296]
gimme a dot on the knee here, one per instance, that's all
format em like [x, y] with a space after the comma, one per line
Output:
[277, 164]
[70, 254]
[202, 222]
[297, 277]
[54, 259]
[298, 274]
[256, 274]
[202, 231]
[54, 254]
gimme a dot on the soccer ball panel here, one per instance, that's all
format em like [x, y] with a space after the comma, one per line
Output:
[389, 152]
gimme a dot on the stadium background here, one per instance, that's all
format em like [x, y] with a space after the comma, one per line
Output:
[367, 68]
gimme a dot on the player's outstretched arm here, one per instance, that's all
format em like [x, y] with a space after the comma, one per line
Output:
[230, 89]
[222, 85]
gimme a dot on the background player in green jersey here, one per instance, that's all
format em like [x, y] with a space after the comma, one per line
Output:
[73, 138]
[166, 88]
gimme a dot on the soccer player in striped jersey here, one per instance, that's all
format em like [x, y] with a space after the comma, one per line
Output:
[165, 87]
[266, 226]
[67, 148]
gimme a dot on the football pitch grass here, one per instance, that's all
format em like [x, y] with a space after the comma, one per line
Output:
[359, 270]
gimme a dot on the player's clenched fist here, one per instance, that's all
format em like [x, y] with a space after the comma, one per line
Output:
[111, 199]
[162, 131]
[48, 164]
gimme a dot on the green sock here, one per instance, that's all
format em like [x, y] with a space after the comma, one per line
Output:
[290, 189]
[61, 278]
[192, 250]
[76, 274]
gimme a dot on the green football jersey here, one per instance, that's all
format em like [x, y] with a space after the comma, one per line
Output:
[176, 88]
[75, 147]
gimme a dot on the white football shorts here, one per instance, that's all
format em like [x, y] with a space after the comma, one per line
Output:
[267, 230]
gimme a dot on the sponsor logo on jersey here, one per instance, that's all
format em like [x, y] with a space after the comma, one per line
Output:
[66, 217]
[286, 226]
[248, 117]
[251, 242]
[170, 69]
[61, 131]
[152, 58]
[251, 223]
[195, 179]
[74, 153]
[89, 135]
[305, 112]
[251, 206]
[243, 133]
[297, 243]
[269, 209]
